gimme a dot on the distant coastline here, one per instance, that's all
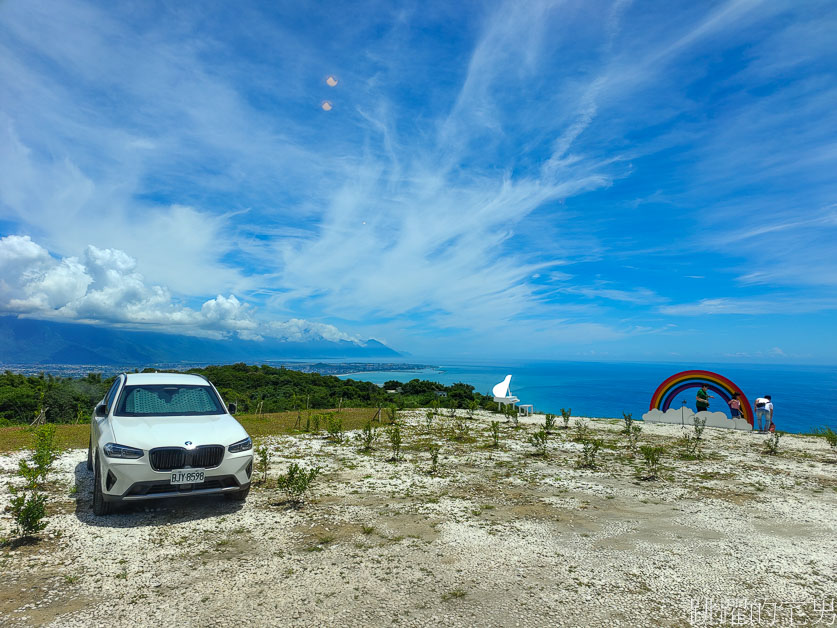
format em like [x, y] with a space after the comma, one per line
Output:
[323, 368]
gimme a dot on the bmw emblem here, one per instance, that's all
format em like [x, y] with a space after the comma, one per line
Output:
[189, 444]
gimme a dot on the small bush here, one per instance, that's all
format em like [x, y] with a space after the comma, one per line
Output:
[434, 458]
[565, 416]
[473, 406]
[691, 446]
[461, 430]
[28, 503]
[29, 511]
[538, 440]
[334, 427]
[262, 461]
[582, 431]
[392, 413]
[368, 436]
[495, 433]
[297, 482]
[589, 449]
[394, 436]
[628, 418]
[699, 426]
[632, 436]
[830, 437]
[771, 443]
[428, 420]
[653, 455]
[512, 414]
[549, 423]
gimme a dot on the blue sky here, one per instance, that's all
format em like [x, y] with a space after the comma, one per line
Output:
[593, 180]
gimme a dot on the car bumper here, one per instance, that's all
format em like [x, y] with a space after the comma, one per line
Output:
[133, 480]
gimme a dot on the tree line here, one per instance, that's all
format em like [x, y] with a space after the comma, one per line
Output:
[252, 388]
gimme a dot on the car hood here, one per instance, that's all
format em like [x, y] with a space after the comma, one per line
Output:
[174, 431]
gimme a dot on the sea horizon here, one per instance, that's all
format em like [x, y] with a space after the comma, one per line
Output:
[602, 389]
[607, 389]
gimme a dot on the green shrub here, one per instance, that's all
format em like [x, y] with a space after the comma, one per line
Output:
[262, 461]
[549, 423]
[628, 418]
[565, 416]
[392, 413]
[699, 424]
[495, 433]
[582, 430]
[368, 436]
[428, 420]
[473, 406]
[461, 430]
[538, 440]
[632, 436]
[434, 458]
[589, 448]
[28, 507]
[771, 443]
[297, 482]
[691, 446]
[28, 503]
[830, 437]
[334, 427]
[394, 436]
[653, 455]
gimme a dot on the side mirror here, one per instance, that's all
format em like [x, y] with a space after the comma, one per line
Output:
[232, 408]
[101, 410]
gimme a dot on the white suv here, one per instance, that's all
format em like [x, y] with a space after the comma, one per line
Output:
[166, 435]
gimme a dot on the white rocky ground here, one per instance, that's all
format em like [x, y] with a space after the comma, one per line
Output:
[498, 537]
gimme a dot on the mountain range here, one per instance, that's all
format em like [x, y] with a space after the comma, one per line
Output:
[30, 341]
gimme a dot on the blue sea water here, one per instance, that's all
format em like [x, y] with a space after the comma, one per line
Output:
[803, 396]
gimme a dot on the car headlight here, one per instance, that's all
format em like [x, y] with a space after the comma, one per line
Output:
[112, 450]
[242, 445]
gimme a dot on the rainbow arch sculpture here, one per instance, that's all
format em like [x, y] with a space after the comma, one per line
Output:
[677, 383]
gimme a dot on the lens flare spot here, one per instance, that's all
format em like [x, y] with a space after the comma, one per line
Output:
[332, 81]
[326, 106]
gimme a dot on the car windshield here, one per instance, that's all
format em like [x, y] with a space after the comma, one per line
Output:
[168, 400]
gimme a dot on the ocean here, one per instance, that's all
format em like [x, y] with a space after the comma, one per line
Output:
[801, 394]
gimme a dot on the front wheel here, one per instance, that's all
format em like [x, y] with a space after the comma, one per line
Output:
[238, 496]
[100, 506]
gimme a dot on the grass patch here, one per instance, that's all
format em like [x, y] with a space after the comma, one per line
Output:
[77, 436]
[66, 437]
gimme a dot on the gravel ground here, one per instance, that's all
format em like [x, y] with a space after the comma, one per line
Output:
[496, 537]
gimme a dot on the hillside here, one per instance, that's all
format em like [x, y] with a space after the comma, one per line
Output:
[29, 341]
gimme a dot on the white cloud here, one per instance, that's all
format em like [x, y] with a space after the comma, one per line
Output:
[298, 330]
[751, 306]
[105, 286]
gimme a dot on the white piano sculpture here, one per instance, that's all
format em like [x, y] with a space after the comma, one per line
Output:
[502, 394]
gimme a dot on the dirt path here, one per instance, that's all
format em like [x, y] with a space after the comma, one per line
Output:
[498, 537]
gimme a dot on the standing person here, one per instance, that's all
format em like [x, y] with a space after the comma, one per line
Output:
[735, 406]
[702, 401]
[764, 410]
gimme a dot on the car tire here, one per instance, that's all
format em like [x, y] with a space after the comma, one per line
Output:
[238, 496]
[90, 454]
[100, 506]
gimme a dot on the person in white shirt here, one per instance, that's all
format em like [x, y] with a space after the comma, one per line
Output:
[764, 411]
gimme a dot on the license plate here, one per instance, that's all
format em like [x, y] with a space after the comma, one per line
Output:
[187, 476]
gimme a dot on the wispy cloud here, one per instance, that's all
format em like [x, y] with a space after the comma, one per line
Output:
[476, 178]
